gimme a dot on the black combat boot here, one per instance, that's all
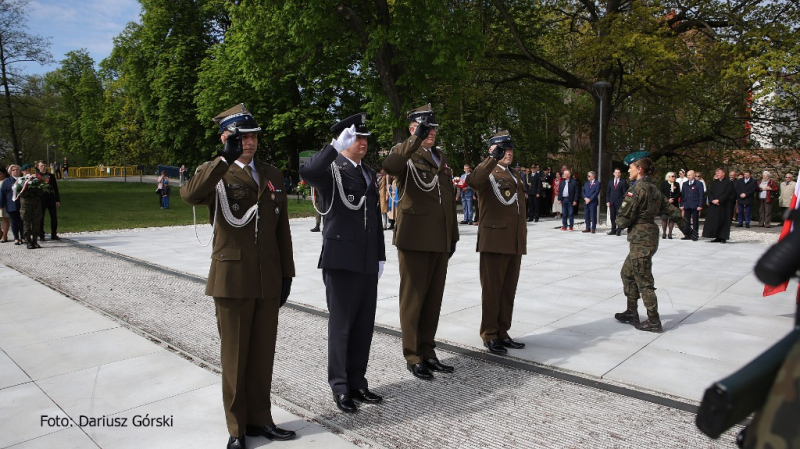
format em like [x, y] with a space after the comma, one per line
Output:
[628, 316]
[651, 324]
[36, 242]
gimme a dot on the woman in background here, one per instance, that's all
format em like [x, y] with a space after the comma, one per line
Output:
[672, 192]
[556, 203]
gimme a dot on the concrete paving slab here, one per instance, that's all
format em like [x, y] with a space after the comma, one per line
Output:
[10, 373]
[671, 372]
[38, 329]
[573, 351]
[114, 387]
[20, 415]
[38, 301]
[55, 357]
[69, 438]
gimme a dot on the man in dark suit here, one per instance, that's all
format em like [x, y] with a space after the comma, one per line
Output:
[425, 237]
[352, 256]
[534, 193]
[568, 195]
[745, 189]
[546, 197]
[50, 202]
[692, 196]
[614, 196]
[591, 196]
[501, 241]
[251, 270]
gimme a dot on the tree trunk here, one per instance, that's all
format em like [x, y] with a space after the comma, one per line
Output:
[12, 128]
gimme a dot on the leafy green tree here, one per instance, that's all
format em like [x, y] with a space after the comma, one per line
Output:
[74, 120]
[679, 73]
[16, 46]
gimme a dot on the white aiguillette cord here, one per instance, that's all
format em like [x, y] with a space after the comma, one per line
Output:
[422, 185]
[222, 202]
[337, 182]
[496, 190]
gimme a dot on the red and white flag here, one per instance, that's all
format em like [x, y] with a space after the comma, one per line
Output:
[788, 226]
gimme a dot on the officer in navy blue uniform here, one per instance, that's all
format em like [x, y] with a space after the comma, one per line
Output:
[352, 256]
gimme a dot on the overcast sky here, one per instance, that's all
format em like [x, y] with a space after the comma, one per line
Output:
[76, 24]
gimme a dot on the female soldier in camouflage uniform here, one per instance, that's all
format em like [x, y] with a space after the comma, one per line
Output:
[642, 203]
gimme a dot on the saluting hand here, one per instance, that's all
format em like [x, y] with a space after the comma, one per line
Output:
[345, 139]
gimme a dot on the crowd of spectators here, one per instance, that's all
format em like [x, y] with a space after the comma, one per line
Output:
[11, 219]
[560, 194]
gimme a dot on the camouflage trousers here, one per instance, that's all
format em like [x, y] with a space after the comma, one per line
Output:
[31, 212]
[637, 281]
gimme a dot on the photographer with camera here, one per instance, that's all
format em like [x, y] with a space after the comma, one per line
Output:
[426, 236]
[502, 240]
[251, 270]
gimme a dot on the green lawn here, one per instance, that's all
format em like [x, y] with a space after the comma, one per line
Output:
[95, 206]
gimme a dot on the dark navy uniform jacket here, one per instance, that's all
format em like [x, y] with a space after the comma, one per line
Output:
[346, 245]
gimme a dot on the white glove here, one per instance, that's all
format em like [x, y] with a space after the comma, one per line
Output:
[345, 139]
[380, 268]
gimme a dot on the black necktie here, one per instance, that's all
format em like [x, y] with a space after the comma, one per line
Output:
[361, 172]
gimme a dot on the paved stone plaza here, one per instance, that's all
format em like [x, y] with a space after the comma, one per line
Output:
[89, 354]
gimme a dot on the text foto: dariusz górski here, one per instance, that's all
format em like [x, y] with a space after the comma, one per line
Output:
[107, 421]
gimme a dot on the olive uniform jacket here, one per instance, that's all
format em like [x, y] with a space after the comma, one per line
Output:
[348, 242]
[245, 263]
[502, 229]
[426, 220]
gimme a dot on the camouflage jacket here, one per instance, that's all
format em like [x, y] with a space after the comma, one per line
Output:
[644, 202]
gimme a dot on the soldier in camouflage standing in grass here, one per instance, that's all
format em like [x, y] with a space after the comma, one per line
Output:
[642, 203]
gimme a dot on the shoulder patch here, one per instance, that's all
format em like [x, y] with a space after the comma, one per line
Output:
[629, 193]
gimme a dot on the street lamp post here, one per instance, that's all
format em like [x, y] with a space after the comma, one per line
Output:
[48, 152]
[124, 156]
[600, 87]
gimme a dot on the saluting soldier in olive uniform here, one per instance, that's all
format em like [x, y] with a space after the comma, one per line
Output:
[31, 212]
[251, 270]
[502, 240]
[642, 203]
[352, 257]
[426, 236]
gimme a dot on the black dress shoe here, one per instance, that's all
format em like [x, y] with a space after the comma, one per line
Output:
[345, 403]
[421, 370]
[364, 395]
[436, 365]
[236, 443]
[495, 347]
[510, 343]
[271, 431]
[55, 237]
[717, 240]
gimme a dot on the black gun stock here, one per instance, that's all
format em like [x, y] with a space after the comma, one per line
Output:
[731, 400]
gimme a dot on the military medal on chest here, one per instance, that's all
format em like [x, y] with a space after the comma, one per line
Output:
[271, 190]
